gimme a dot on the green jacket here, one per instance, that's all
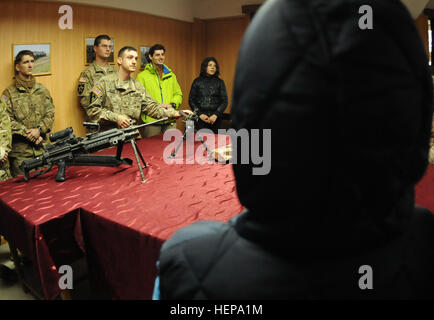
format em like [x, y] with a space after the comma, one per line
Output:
[165, 90]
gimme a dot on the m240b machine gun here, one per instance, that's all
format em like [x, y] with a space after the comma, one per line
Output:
[69, 150]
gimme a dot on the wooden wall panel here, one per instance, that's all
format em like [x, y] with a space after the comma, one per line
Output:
[223, 42]
[198, 45]
[37, 22]
[187, 44]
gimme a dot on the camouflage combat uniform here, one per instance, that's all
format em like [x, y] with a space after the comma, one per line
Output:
[88, 78]
[112, 97]
[28, 108]
[5, 140]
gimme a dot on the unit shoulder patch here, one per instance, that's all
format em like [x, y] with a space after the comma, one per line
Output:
[80, 88]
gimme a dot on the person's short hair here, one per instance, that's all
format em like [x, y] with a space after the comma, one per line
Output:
[204, 65]
[20, 56]
[99, 38]
[126, 48]
[156, 47]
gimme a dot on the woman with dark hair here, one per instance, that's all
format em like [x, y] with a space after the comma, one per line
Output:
[208, 97]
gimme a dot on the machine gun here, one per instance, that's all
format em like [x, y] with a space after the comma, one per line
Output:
[69, 150]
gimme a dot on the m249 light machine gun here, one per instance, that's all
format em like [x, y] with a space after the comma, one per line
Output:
[69, 150]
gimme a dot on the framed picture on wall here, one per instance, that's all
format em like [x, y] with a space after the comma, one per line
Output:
[42, 53]
[90, 54]
[144, 50]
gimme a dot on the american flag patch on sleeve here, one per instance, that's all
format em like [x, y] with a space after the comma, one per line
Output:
[96, 91]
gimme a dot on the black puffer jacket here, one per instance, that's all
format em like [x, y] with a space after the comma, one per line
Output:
[208, 96]
[350, 113]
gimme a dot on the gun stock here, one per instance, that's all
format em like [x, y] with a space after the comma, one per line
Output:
[28, 165]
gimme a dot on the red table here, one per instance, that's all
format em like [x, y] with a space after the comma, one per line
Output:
[118, 222]
[425, 189]
[110, 215]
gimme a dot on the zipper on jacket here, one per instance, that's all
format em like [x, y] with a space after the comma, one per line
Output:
[159, 84]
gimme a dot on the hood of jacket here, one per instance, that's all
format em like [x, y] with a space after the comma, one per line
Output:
[350, 114]
[151, 69]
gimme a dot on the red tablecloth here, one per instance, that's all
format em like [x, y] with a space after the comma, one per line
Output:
[116, 220]
[425, 189]
[119, 222]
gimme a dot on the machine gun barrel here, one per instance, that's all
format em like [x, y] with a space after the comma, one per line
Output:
[144, 124]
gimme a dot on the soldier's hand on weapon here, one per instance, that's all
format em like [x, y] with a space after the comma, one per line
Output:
[123, 121]
[33, 134]
[186, 112]
[204, 118]
[39, 141]
[212, 119]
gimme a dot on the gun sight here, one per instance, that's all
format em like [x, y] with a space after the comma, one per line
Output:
[59, 135]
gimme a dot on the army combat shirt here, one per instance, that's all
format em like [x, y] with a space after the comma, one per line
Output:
[5, 128]
[88, 78]
[112, 97]
[28, 108]
[5, 140]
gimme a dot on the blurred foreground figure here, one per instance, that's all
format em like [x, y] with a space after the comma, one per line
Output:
[350, 112]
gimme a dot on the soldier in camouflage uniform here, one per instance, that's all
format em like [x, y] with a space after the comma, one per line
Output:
[5, 142]
[118, 99]
[5, 147]
[99, 68]
[31, 110]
